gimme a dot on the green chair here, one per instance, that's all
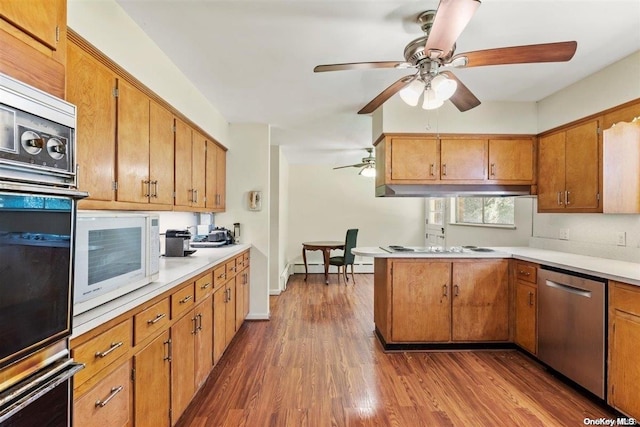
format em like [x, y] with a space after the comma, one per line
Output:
[347, 258]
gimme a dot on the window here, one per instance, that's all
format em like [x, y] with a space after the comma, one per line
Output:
[485, 210]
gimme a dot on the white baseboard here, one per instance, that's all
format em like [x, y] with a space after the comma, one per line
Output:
[319, 268]
[274, 292]
[257, 316]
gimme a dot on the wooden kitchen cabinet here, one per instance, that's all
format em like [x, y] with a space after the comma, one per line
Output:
[182, 364]
[569, 169]
[91, 86]
[463, 159]
[512, 160]
[621, 163]
[230, 311]
[624, 359]
[525, 306]
[190, 160]
[480, 301]
[33, 42]
[109, 402]
[421, 305]
[152, 383]
[414, 160]
[219, 322]
[242, 289]
[203, 341]
[215, 177]
[437, 301]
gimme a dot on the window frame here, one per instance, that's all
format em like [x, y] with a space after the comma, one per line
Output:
[456, 220]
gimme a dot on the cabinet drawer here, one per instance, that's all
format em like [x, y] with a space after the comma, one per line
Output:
[102, 350]
[182, 301]
[151, 320]
[204, 287]
[108, 403]
[239, 263]
[245, 256]
[219, 276]
[625, 298]
[231, 268]
[526, 272]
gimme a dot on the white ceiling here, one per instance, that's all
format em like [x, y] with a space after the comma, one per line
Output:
[254, 59]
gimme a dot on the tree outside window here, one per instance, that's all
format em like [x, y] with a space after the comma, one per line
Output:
[485, 210]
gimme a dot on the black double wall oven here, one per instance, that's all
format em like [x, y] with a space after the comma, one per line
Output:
[38, 200]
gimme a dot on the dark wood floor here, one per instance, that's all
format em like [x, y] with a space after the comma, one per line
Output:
[317, 363]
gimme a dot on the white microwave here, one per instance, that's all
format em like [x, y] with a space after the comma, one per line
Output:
[115, 253]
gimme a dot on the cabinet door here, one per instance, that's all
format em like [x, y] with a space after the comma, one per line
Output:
[511, 160]
[480, 301]
[230, 312]
[183, 164]
[525, 324]
[583, 167]
[239, 306]
[161, 154]
[151, 387]
[133, 144]
[198, 165]
[37, 18]
[108, 403]
[90, 86]
[551, 172]
[182, 364]
[219, 323]
[414, 159]
[203, 341]
[221, 179]
[463, 159]
[211, 175]
[420, 304]
[247, 293]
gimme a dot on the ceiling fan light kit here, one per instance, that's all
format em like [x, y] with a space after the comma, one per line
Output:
[368, 165]
[369, 171]
[436, 50]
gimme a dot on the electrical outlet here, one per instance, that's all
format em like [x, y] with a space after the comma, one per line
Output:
[621, 238]
[564, 234]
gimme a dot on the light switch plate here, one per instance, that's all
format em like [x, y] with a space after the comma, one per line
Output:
[564, 234]
[621, 238]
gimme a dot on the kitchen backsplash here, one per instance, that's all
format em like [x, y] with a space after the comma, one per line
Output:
[596, 235]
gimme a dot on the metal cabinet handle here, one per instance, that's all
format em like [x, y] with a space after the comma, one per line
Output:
[531, 298]
[114, 391]
[560, 198]
[432, 169]
[493, 169]
[566, 198]
[229, 290]
[199, 321]
[155, 189]
[114, 345]
[156, 319]
[195, 196]
[195, 325]
[444, 169]
[221, 276]
[169, 350]
[185, 299]
[205, 286]
[444, 290]
[456, 290]
[148, 184]
[524, 273]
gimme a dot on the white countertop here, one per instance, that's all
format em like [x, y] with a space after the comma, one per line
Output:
[173, 271]
[627, 272]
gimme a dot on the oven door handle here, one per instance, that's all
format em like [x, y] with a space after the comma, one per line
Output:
[22, 395]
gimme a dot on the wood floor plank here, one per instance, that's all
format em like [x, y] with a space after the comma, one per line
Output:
[317, 362]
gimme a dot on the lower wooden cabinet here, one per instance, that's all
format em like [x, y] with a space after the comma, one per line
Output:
[624, 358]
[109, 402]
[182, 364]
[444, 301]
[526, 316]
[152, 386]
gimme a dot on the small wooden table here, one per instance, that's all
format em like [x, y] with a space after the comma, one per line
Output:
[325, 247]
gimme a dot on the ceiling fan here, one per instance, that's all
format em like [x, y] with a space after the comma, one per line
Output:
[368, 164]
[435, 51]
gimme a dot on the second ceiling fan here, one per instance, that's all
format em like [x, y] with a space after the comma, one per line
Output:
[433, 53]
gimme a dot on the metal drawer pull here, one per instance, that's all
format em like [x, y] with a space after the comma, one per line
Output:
[155, 189]
[185, 299]
[455, 287]
[531, 298]
[113, 346]
[560, 198]
[221, 276]
[205, 286]
[444, 290]
[148, 184]
[158, 317]
[432, 169]
[493, 169]
[444, 169]
[114, 391]
[524, 273]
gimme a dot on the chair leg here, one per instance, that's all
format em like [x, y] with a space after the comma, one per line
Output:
[346, 279]
[352, 276]
[338, 267]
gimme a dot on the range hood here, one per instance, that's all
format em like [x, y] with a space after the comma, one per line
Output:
[447, 190]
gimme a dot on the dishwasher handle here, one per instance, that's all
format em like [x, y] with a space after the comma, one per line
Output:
[567, 288]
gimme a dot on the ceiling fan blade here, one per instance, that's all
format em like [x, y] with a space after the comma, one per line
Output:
[462, 98]
[361, 66]
[359, 165]
[547, 52]
[386, 94]
[451, 19]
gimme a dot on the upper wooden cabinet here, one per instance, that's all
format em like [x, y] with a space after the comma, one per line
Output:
[33, 42]
[569, 170]
[191, 156]
[215, 177]
[621, 166]
[425, 159]
[161, 154]
[91, 88]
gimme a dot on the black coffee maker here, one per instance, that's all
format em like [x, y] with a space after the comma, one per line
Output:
[177, 243]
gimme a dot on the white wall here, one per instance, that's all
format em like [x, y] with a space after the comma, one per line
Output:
[248, 170]
[324, 203]
[278, 223]
[106, 26]
[614, 85]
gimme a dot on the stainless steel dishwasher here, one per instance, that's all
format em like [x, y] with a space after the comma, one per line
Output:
[571, 326]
